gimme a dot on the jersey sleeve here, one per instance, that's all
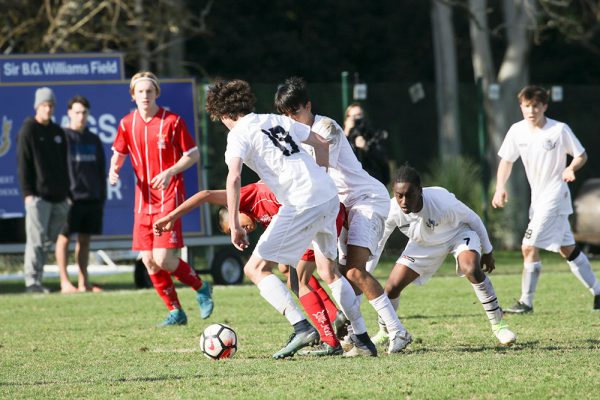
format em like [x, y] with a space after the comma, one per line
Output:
[299, 131]
[509, 150]
[333, 133]
[572, 145]
[182, 137]
[461, 213]
[121, 143]
[237, 147]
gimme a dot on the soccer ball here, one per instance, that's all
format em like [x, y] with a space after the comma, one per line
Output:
[218, 341]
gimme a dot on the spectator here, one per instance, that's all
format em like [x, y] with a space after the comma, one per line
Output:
[44, 181]
[87, 175]
[367, 143]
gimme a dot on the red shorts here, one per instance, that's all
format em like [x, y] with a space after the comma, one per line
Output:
[340, 221]
[145, 239]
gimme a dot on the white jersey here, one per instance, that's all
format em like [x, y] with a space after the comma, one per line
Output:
[544, 155]
[352, 181]
[441, 218]
[270, 145]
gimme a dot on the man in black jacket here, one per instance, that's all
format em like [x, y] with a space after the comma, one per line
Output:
[44, 181]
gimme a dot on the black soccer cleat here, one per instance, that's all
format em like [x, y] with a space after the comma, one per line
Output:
[597, 302]
[519, 308]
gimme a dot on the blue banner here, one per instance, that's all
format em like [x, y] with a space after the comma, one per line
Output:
[61, 67]
[109, 103]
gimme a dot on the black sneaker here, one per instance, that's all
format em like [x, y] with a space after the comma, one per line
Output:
[519, 308]
[597, 302]
[37, 289]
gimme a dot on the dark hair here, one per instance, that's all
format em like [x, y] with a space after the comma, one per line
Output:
[290, 95]
[78, 99]
[231, 99]
[408, 174]
[535, 93]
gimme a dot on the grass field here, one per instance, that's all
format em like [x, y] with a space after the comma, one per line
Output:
[105, 345]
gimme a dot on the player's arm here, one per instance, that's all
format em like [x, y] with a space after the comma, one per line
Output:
[233, 187]
[161, 180]
[116, 162]
[321, 147]
[165, 224]
[568, 174]
[501, 196]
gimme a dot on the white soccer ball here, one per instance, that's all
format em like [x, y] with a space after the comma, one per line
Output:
[218, 341]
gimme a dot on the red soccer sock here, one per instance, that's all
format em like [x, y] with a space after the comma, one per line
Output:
[313, 305]
[166, 290]
[330, 306]
[186, 275]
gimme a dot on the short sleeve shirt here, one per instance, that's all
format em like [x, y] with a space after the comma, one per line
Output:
[544, 155]
[153, 147]
[259, 203]
[271, 146]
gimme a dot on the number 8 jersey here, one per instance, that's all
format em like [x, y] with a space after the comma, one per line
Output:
[270, 145]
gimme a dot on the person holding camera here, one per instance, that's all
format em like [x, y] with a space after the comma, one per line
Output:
[367, 143]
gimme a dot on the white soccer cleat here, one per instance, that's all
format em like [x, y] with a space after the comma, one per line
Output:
[505, 336]
[381, 338]
[399, 341]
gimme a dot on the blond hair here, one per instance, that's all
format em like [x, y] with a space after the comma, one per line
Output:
[144, 76]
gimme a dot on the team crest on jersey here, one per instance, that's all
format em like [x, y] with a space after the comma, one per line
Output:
[408, 258]
[549, 145]
[265, 219]
[431, 224]
[173, 237]
[5, 136]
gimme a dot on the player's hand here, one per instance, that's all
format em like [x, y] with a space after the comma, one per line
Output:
[488, 264]
[28, 199]
[161, 181]
[239, 238]
[568, 175]
[113, 177]
[360, 142]
[165, 224]
[500, 198]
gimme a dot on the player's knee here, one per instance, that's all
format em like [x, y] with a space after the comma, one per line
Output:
[527, 250]
[471, 270]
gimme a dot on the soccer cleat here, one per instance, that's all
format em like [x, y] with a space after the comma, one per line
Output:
[519, 308]
[360, 348]
[340, 324]
[596, 302]
[505, 336]
[36, 288]
[399, 342]
[175, 317]
[325, 349]
[205, 301]
[381, 338]
[297, 341]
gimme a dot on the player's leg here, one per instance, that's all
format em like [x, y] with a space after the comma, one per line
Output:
[61, 252]
[164, 253]
[37, 215]
[90, 224]
[82, 255]
[582, 269]
[468, 262]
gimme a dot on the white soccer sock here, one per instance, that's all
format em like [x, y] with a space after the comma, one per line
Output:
[582, 269]
[277, 295]
[395, 304]
[343, 294]
[487, 296]
[529, 280]
[388, 315]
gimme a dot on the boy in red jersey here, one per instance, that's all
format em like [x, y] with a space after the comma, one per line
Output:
[161, 148]
[258, 204]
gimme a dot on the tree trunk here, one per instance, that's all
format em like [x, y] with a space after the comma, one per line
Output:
[446, 76]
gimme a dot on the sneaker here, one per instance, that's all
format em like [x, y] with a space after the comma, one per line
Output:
[399, 342]
[519, 308]
[381, 338]
[596, 302]
[205, 301]
[340, 324]
[346, 342]
[297, 341]
[325, 349]
[37, 288]
[175, 317]
[504, 335]
[360, 348]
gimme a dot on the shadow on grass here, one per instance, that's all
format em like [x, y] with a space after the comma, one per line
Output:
[16, 287]
[517, 347]
[105, 381]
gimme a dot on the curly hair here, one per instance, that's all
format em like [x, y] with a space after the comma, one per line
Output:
[231, 99]
[408, 174]
[290, 95]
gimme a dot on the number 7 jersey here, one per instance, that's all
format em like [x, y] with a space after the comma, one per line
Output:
[270, 145]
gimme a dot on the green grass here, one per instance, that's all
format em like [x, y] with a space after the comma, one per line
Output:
[105, 345]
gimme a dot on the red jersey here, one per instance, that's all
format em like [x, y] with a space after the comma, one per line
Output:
[155, 146]
[258, 202]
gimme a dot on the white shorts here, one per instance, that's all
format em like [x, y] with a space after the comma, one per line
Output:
[291, 232]
[426, 260]
[549, 232]
[366, 222]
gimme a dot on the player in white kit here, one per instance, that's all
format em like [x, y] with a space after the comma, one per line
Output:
[543, 145]
[271, 145]
[436, 224]
[367, 202]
